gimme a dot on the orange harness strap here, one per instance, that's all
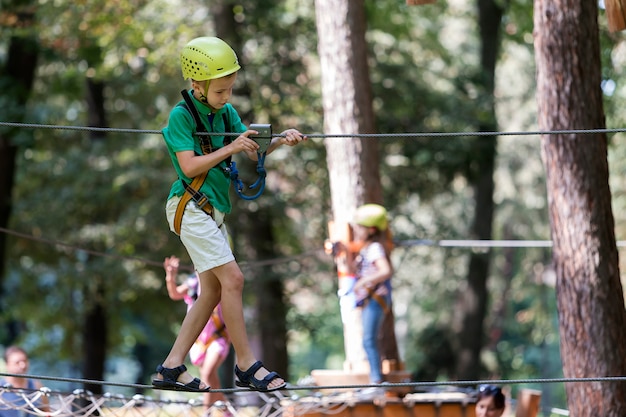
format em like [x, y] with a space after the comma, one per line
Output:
[192, 193]
[371, 294]
[382, 302]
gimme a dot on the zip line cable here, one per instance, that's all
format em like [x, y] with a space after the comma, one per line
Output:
[319, 135]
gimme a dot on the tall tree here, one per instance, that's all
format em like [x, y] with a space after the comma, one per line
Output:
[353, 162]
[592, 319]
[95, 327]
[16, 81]
[472, 306]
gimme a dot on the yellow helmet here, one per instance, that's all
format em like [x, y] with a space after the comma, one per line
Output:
[207, 58]
[372, 215]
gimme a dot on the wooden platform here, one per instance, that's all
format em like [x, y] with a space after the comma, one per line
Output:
[389, 402]
[332, 377]
[412, 405]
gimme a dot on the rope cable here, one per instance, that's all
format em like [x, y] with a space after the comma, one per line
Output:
[273, 404]
[407, 384]
[446, 243]
[336, 135]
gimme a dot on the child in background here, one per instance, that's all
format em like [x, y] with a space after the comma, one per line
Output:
[373, 271]
[212, 66]
[490, 401]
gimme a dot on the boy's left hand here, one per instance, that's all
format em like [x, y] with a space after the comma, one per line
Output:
[292, 137]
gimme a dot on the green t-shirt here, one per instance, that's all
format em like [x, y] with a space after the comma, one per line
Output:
[179, 136]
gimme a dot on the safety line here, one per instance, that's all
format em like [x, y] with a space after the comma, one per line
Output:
[414, 384]
[338, 135]
[189, 268]
[484, 243]
[77, 248]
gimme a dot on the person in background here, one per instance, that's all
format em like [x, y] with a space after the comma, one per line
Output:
[213, 345]
[15, 388]
[373, 271]
[490, 401]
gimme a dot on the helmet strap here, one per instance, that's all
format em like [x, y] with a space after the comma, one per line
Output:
[203, 96]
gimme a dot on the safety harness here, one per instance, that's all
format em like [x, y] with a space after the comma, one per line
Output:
[229, 167]
[200, 345]
[219, 332]
[371, 294]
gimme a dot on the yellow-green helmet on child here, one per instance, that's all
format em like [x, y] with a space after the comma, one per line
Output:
[207, 58]
[372, 215]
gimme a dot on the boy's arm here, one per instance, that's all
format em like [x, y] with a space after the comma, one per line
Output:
[193, 165]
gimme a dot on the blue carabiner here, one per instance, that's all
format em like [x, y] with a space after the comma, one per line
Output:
[260, 182]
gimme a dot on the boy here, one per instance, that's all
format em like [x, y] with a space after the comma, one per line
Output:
[212, 66]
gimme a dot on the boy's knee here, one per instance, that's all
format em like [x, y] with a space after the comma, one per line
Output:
[233, 282]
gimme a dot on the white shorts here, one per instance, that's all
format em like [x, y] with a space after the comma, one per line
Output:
[206, 242]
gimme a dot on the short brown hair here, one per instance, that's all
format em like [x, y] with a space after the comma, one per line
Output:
[11, 350]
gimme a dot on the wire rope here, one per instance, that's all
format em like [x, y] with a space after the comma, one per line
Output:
[334, 135]
[272, 404]
[407, 384]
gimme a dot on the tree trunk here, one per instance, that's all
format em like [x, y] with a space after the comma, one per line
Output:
[16, 81]
[95, 335]
[95, 324]
[592, 319]
[472, 307]
[269, 290]
[347, 100]
[352, 161]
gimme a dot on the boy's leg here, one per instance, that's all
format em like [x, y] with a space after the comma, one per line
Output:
[195, 320]
[231, 278]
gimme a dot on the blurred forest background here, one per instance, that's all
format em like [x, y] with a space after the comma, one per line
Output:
[86, 234]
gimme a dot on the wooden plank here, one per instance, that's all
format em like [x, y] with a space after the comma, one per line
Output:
[419, 2]
[397, 409]
[616, 14]
[528, 403]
